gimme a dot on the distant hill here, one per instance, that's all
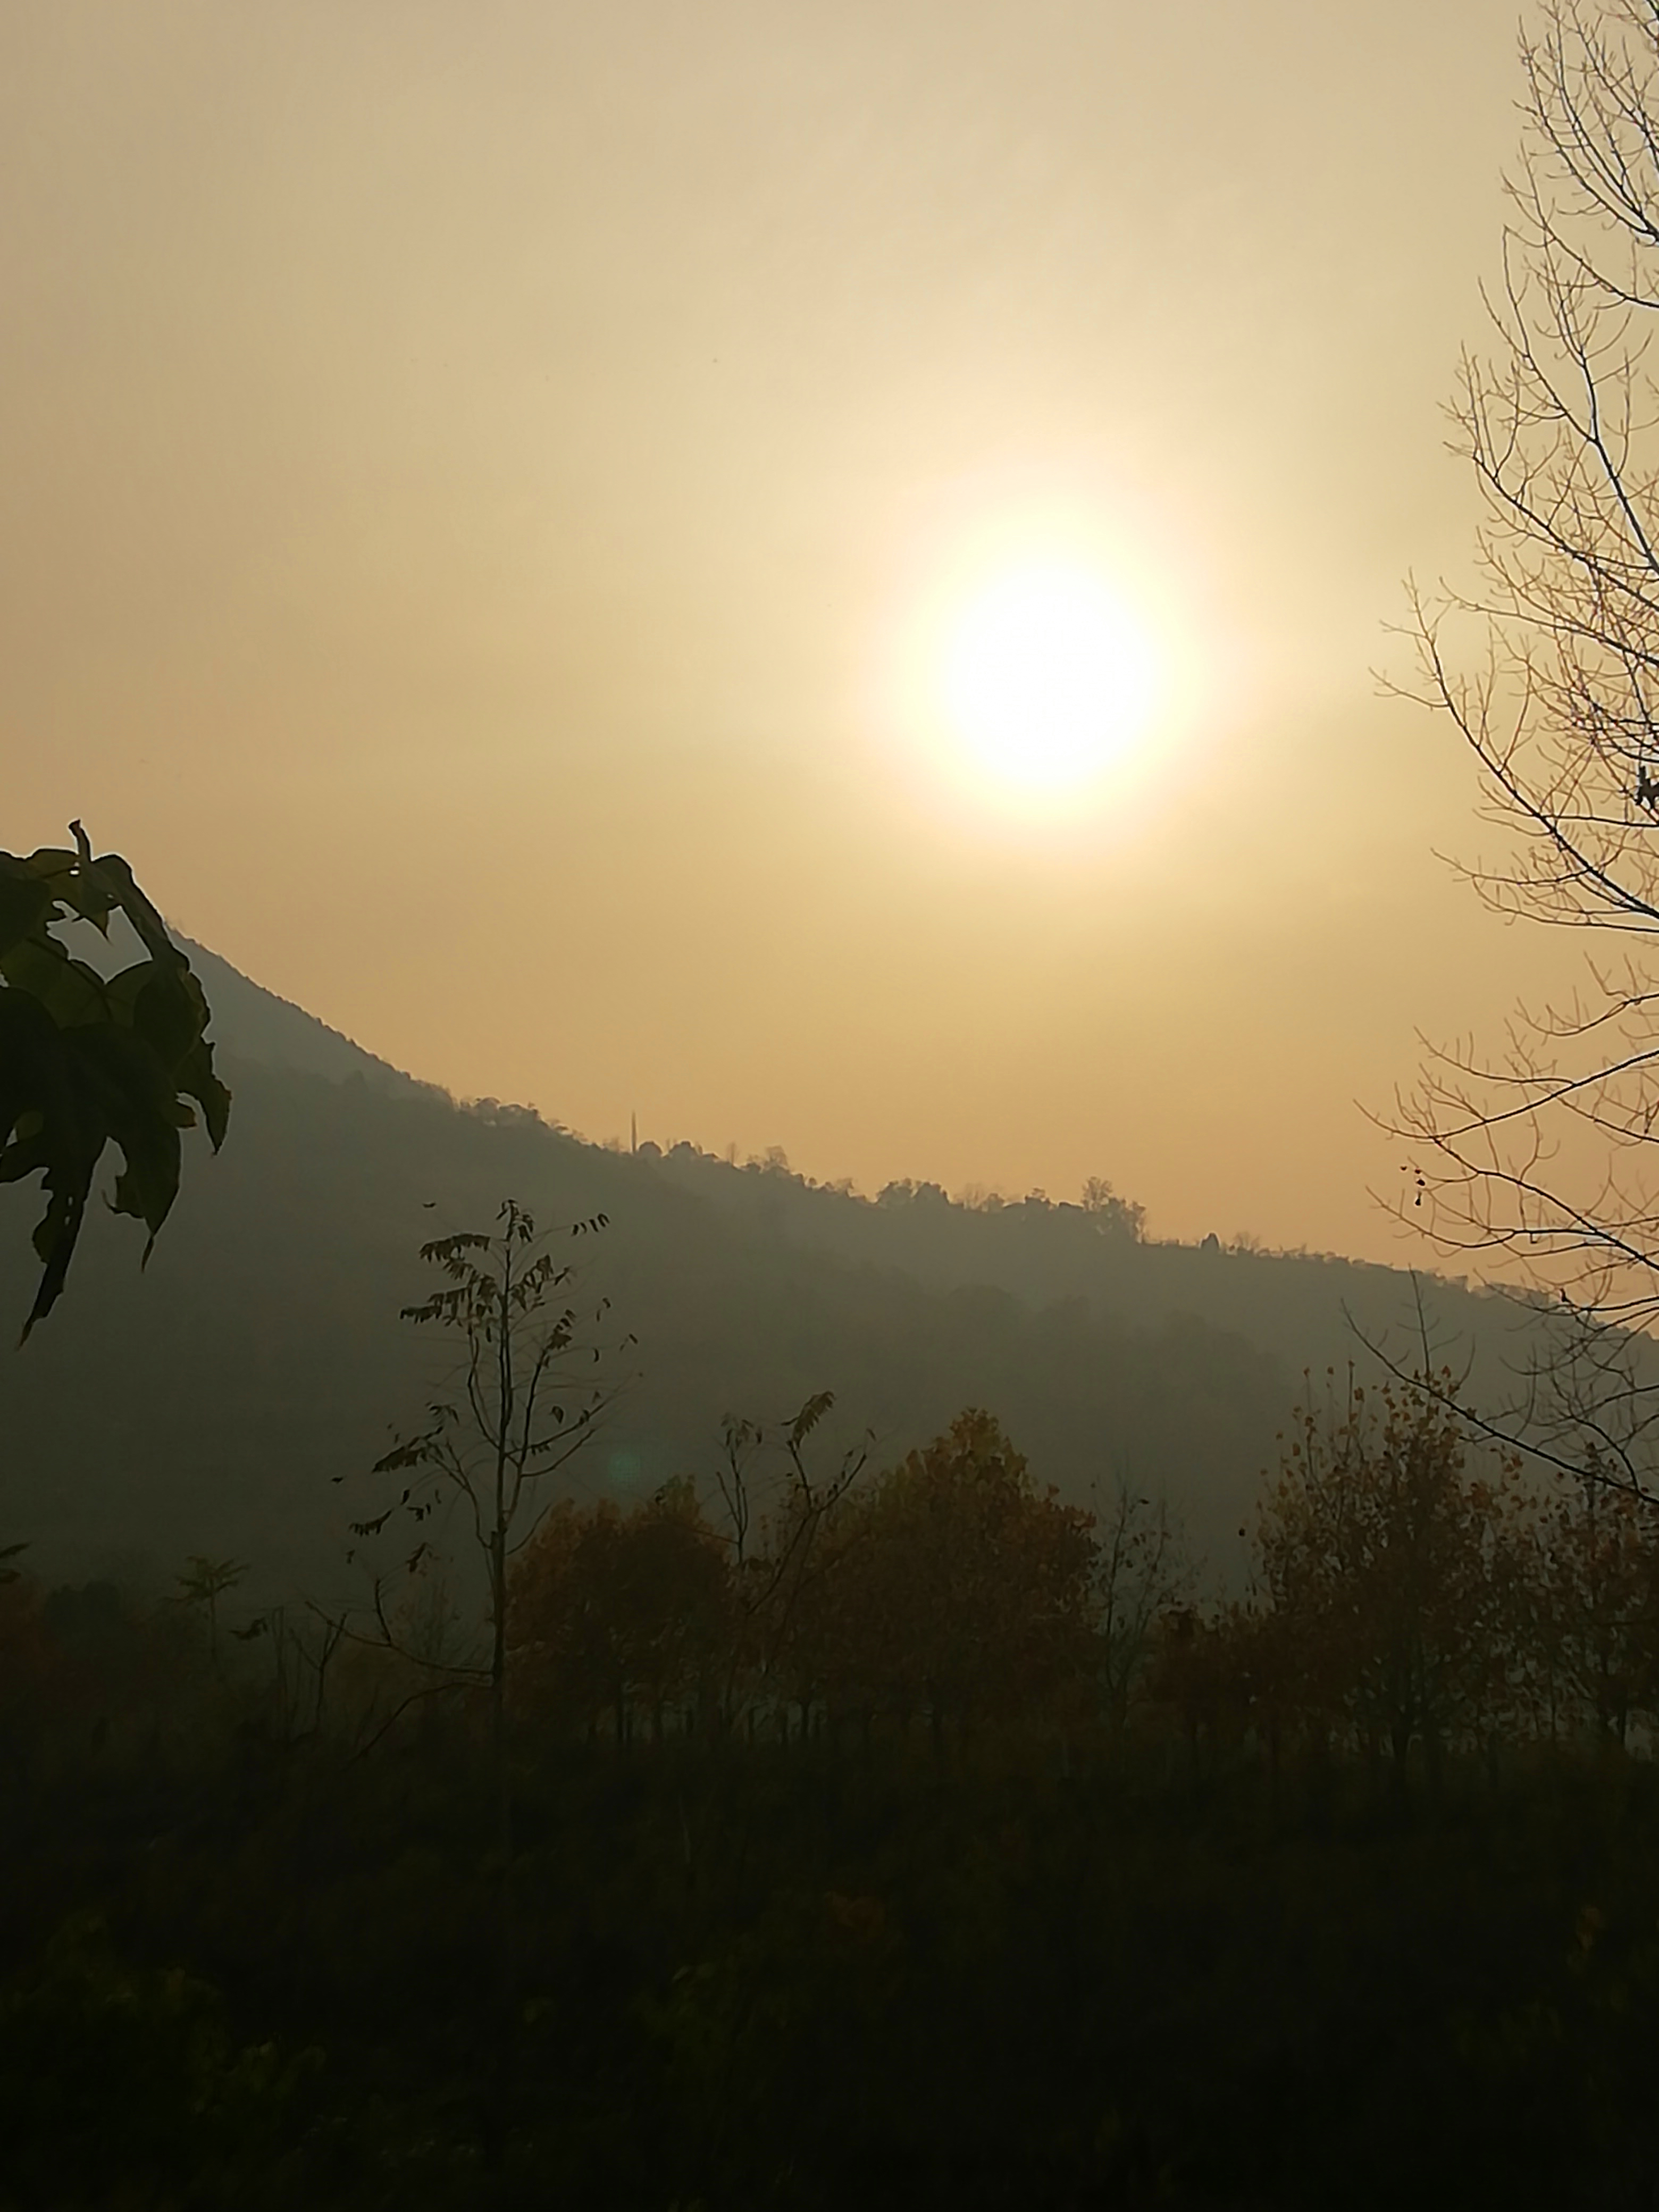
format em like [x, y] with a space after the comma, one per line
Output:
[1307, 1310]
[229, 1399]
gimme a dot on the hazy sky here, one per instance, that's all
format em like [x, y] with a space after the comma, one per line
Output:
[478, 479]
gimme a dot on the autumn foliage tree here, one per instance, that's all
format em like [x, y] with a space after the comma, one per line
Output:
[961, 1591]
[616, 1613]
[949, 1591]
[1392, 1572]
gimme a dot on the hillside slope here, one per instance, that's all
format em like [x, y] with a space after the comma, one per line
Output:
[230, 1399]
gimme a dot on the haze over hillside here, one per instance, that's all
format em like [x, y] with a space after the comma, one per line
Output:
[1042, 1250]
[231, 1398]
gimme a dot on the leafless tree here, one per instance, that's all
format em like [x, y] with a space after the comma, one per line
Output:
[1143, 1574]
[776, 1506]
[1542, 1154]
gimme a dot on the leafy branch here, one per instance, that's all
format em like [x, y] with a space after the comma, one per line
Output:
[88, 1061]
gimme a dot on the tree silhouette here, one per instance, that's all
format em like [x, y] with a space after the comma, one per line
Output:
[526, 1393]
[1542, 1151]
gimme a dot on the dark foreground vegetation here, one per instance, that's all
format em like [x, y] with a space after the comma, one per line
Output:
[929, 1845]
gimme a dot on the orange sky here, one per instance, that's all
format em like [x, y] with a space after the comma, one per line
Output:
[467, 469]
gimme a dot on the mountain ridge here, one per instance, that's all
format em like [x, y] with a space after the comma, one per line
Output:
[1043, 1249]
[231, 1398]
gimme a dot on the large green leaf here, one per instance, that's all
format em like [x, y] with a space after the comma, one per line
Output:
[86, 1062]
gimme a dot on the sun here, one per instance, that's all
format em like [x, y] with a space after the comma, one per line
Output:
[1046, 677]
[1036, 669]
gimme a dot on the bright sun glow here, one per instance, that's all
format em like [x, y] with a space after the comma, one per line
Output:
[1046, 677]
